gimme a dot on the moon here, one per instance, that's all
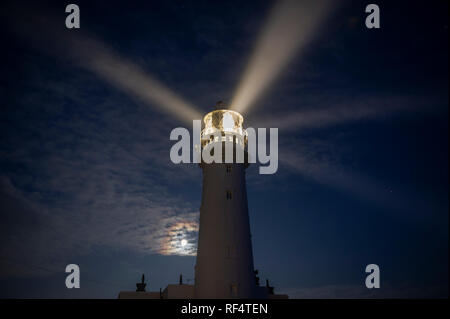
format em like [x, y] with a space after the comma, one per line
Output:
[183, 242]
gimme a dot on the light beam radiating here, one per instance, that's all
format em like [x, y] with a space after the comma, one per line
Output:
[290, 27]
[130, 78]
[341, 113]
[100, 59]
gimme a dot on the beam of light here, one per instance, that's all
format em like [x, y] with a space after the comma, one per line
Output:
[130, 78]
[101, 60]
[290, 27]
[368, 108]
[308, 163]
[337, 177]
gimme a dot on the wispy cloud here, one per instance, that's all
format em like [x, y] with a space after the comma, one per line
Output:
[99, 177]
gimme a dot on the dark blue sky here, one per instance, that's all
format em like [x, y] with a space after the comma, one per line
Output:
[85, 174]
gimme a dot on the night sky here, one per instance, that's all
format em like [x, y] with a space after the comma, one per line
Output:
[86, 178]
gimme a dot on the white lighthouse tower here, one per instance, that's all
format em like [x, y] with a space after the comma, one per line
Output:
[224, 267]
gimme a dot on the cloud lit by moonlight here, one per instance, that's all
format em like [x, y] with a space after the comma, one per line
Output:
[180, 239]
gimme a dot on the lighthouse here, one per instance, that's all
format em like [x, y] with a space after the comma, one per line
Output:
[224, 266]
